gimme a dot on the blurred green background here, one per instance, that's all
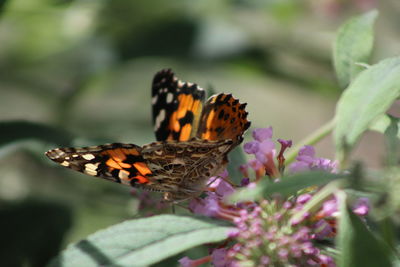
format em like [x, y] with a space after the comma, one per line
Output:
[79, 73]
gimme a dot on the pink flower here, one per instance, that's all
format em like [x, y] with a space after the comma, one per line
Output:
[322, 229]
[330, 208]
[304, 198]
[264, 150]
[262, 134]
[208, 206]
[306, 160]
[187, 262]
[362, 206]
[220, 258]
[251, 147]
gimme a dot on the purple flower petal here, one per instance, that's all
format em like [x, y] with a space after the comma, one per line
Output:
[330, 207]
[362, 206]
[255, 164]
[304, 198]
[285, 143]
[245, 182]
[307, 151]
[214, 181]
[262, 134]
[262, 158]
[224, 189]
[219, 258]
[322, 229]
[251, 147]
[186, 262]
[208, 206]
[298, 166]
[267, 147]
[265, 260]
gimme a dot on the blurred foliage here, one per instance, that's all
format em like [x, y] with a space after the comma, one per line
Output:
[78, 72]
[37, 230]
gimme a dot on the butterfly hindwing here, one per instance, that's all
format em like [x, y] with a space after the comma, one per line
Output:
[176, 107]
[121, 163]
[223, 117]
[183, 168]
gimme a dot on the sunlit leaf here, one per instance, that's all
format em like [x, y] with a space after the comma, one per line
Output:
[12, 131]
[354, 43]
[357, 244]
[142, 242]
[367, 98]
[289, 185]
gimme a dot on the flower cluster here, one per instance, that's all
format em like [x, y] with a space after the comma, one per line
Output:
[270, 232]
[267, 236]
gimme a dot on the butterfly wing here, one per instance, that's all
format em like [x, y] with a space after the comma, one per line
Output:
[184, 167]
[176, 107]
[223, 117]
[121, 163]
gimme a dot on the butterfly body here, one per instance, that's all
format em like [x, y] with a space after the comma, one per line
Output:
[194, 140]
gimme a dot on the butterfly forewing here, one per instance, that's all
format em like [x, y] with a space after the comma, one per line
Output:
[121, 163]
[176, 107]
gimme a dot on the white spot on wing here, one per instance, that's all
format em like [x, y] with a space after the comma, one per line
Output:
[88, 156]
[154, 99]
[159, 119]
[123, 174]
[65, 163]
[91, 168]
[170, 97]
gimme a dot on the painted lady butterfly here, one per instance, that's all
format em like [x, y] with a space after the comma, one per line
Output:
[193, 140]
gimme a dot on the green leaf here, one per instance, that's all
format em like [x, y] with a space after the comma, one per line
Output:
[367, 98]
[358, 245]
[288, 185]
[392, 142]
[382, 123]
[11, 131]
[142, 242]
[353, 44]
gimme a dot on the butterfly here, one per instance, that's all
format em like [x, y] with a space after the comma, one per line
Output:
[193, 141]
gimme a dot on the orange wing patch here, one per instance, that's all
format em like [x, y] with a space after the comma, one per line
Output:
[127, 164]
[175, 104]
[223, 117]
[184, 118]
